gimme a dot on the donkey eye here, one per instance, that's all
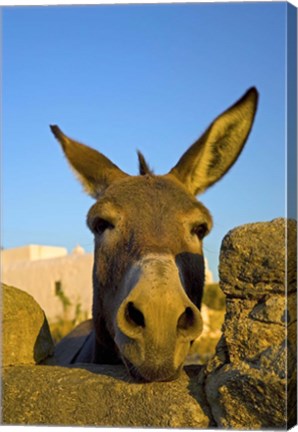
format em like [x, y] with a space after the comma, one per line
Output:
[100, 225]
[200, 230]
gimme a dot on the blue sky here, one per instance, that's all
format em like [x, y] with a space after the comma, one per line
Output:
[148, 77]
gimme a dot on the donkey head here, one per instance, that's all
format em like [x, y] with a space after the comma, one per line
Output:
[148, 271]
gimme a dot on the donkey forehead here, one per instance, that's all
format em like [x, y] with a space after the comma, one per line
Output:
[149, 194]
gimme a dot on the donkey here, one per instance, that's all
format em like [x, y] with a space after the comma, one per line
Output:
[148, 273]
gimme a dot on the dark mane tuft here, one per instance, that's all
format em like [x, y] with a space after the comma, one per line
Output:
[143, 166]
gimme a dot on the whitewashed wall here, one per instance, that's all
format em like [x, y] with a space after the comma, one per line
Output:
[38, 279]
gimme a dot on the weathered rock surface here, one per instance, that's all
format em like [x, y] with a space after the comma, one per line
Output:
[99, 396]
[255, 363]
[26, 336]
[254, 259]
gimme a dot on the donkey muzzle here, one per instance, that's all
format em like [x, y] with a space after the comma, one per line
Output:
[156, 322]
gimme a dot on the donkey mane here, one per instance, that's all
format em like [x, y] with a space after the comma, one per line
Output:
[143, 166]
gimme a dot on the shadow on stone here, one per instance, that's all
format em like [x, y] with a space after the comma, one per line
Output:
[118, 372]
[42, 342]
[196, 389]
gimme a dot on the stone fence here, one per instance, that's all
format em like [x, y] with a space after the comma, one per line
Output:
[250, 383]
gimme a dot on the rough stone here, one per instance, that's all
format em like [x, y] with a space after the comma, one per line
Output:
[26, 334]
[252, 378]
[246, 398]
[270, 310]
[245, 336]
[99, 396]
[255, 261]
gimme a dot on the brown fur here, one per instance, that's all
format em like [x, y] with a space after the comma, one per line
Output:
[148, 271]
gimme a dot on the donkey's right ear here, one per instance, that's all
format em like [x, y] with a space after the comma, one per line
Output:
[93, 169]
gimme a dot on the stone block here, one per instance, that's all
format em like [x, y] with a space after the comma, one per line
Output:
[26, 337]
[245, 335]
[251, 382]
[257, 259]
[246, 398]
[94, 395]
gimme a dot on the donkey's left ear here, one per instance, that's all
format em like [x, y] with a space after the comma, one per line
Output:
[212, 155]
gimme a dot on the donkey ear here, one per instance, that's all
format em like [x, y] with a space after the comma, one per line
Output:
[212, 155]
[94, 170]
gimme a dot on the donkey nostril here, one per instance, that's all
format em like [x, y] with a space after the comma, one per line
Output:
[134, 315]
[186, 320]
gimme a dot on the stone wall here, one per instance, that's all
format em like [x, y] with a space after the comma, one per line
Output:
[245, 385]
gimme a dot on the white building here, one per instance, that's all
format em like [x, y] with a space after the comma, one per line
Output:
[52, 277]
